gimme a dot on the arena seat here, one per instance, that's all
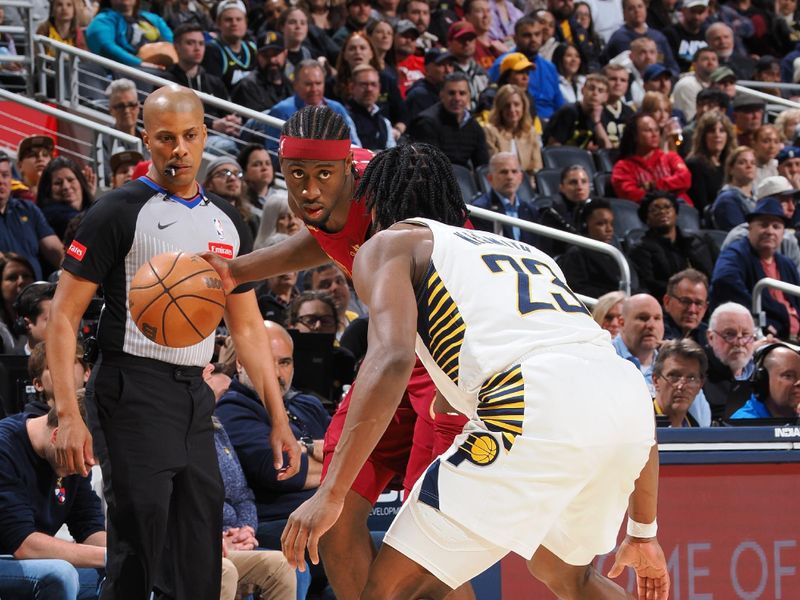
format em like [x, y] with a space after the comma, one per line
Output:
[688, 217]
[560, 157]
[482, 174]
[605, 159]
[715, 236]
[466, 181]
[633, 237]
[626, 217]
[548, 181]
[602, 184]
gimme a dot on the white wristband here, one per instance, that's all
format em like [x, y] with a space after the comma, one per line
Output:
[642, 530]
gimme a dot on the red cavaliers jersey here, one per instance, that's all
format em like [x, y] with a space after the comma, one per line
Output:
[342, 246]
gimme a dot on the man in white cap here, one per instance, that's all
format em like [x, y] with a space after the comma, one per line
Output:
[689, 35]
[779, 187]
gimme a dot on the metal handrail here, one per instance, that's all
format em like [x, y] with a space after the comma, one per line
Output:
[28, 30]
[767, 97]
[777, 284]
[625, 276]
[70, 118]
[769, 84]
[157, 81]
[562, 236]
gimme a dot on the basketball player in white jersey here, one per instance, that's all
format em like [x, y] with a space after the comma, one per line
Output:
[561, 434]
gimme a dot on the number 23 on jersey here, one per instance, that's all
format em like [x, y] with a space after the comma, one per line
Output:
[532, 293]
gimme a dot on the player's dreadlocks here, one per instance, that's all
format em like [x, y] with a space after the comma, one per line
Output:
[316, 123]
[412, 180]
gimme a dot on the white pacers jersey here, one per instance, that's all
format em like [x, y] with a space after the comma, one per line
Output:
[486, 303]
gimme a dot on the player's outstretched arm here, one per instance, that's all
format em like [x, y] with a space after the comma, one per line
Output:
[73, 441]
[254, 351]
[383, 281]
[640, 549]
[299, 252]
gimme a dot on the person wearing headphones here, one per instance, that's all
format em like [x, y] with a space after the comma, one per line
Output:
[33, 309]
[776, 384]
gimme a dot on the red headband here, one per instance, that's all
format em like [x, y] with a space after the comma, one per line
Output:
[305, 149]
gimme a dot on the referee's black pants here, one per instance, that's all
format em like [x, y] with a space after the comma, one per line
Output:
[151, 423]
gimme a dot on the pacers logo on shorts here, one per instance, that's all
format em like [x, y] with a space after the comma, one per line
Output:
[479, 448]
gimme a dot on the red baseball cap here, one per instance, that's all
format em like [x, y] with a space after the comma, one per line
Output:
[461, 30]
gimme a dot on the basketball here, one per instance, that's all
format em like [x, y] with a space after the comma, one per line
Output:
[176, 299]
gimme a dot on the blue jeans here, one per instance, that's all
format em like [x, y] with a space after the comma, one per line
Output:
[47, 579]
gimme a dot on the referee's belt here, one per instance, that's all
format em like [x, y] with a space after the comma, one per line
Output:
[122, 360]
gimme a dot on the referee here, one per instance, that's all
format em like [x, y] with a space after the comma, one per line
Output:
[150, 410]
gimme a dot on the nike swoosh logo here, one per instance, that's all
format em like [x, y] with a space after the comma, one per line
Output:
[160, 226]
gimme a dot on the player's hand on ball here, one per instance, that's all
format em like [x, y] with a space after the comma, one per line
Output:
[306, 526]
[283, 442]
[646, 558]
[73, 445]
[223, 268]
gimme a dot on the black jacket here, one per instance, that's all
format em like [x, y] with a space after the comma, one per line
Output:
[672, 330]
[373, 128]
[421, 96]
[461, 144]
[657, 258]
[256, 93]
[592, 273]
[707, 181]
[203, 81]
[724, 393]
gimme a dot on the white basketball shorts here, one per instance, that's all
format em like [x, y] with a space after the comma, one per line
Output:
[558, 473]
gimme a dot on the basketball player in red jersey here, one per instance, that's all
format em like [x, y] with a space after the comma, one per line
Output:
[322, 173]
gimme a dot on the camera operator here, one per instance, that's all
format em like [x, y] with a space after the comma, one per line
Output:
[776, 384]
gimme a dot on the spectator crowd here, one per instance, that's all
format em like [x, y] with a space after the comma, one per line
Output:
[627, 122]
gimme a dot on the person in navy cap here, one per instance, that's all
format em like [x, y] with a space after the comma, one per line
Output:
[424, 92]
[789, 164]
[746, 261]
[657, 78]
